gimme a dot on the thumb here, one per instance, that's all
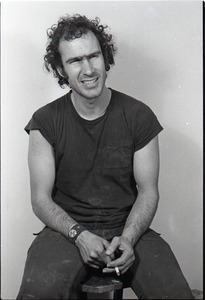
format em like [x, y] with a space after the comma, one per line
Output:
[106, 244]
[113, 246]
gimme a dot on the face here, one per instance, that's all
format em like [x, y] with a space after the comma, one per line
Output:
[84, 65]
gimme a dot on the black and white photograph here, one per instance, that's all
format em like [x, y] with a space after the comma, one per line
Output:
[101, 150]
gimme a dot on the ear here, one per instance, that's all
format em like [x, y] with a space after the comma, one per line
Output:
[62, 72]
[107, 67]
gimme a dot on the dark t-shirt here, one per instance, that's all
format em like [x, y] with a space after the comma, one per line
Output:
[94, 159]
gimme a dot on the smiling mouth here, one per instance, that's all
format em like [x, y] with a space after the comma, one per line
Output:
[89, 81]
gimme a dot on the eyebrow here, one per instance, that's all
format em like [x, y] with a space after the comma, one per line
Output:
[81, 57]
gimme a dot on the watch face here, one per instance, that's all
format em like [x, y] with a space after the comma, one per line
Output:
[72, 233]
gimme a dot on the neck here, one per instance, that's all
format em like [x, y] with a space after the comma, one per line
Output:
[91, 109]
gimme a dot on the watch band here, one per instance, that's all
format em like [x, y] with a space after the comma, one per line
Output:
[74, 232]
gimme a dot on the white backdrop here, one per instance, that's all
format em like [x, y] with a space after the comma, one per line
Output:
[159, 61]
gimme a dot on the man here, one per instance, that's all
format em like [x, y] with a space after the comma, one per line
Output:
[94, 165]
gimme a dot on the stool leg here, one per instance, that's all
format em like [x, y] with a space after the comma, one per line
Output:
[118, 294]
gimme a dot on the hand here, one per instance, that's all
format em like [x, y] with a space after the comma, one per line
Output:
[120, 245]
[92, 249]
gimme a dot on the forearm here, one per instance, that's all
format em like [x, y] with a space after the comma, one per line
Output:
[141, 215]
[52, 215]
[42, 169]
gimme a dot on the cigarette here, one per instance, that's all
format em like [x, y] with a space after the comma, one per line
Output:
[117, 271]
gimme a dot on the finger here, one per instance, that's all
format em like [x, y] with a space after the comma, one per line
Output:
[120, 260]
[106, 244]
[104, 257]
[93, 266]
[113, 246]
[97, 255]
[122, 269]
[95, 261]
[101, 248]
[108, 270]
[116, 263]
[126, 267]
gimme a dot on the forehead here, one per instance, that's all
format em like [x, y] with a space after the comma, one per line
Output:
[83, 45]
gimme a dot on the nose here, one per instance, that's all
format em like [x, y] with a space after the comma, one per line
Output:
[87, 67]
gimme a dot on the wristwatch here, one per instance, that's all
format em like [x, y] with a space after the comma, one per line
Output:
[74, 232]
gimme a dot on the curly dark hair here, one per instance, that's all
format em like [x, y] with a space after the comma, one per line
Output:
[71, 27]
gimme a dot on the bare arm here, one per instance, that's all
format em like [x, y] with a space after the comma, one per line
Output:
[146, 172]
[42, 177]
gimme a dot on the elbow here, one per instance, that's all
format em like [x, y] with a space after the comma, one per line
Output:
[157, 201]
[35, 208]
[150, 193]
[155, 197]
[36, 203]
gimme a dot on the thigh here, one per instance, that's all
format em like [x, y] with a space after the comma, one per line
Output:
[156, 272]
[53, 268]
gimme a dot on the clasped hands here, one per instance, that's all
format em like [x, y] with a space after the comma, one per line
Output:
[98, 253]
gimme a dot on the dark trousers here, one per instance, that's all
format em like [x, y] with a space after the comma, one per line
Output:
[54, 268]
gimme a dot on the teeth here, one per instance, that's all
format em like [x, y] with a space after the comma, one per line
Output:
[89, 81]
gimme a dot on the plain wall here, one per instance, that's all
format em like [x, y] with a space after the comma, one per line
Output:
[159, 61]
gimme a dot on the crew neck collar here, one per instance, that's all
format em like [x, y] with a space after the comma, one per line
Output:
[96, 119]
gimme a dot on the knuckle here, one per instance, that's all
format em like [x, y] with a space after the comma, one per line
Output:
[92, 254]
[98, 250]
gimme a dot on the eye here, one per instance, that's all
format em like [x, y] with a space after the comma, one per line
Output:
[76, 60]
[94, 55]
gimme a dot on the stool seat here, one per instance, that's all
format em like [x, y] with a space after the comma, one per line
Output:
[101, 283]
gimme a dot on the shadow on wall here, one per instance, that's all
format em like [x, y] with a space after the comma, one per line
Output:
[179, 215]
[180, 183]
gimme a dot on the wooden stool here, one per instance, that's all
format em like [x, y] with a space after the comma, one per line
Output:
[101, 284]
